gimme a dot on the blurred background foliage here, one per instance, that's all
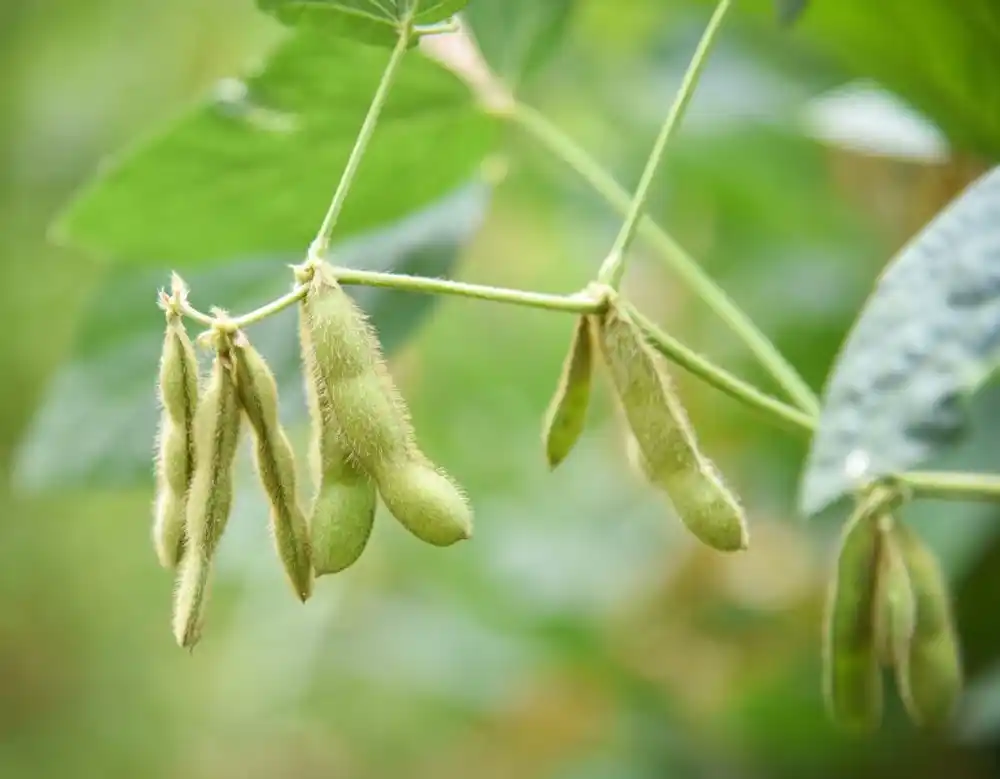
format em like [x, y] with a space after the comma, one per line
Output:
[582, 635]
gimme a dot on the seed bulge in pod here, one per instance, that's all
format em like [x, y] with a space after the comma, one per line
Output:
[427, 502]
[567, 412]
[930, 676]
[852, 681]
[664, 435]
[275, 461]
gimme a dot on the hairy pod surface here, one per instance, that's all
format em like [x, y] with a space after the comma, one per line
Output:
[427, 502]
[351, 373]
[852, 680]
[216, 435]
[178, 395]
[566, 416]
[930, 675]
[275, 461]
[343, 509]
[664, 437]
[354, 389]
[190, 597]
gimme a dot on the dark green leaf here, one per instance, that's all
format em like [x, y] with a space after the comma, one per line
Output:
[370, 21]
[97, 424]
[516, 36]
[253, 175]
[925, 341]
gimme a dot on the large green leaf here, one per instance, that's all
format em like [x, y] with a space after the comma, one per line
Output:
[940, 57]
[371, 21]
[517, 36]
[924, 342]
[253, 175]
[97, 423]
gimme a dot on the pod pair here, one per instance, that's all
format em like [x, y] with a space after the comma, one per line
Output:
[663, 443]
[888, 606]
[363, 441]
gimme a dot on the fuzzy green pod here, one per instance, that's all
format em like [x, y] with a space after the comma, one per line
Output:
[427, 502]
[372, 421]
[896, 612]
[178, 396]
[275, 461]
[343, 509]
[567, 412]
[929, 674]
[670, 457]
[852, 680]
[216, 435]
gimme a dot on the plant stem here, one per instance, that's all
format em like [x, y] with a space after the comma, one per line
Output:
[579, 303]
[675, 256]
[720, 378]
[952, 486]
[614, 266]
[322, 242]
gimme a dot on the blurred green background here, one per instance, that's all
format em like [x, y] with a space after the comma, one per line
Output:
[581, 635]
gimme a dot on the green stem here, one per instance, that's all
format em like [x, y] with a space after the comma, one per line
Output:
[579, 303]
[614, 266]
[682, 263]
[719, 378]
[951, 486]
[322, 242]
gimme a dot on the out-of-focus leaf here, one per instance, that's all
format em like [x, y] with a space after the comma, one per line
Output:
[253, 174]
[789, 11]
[939, 57]
[370, 21]
[97, 424]
[924, 343]
[517, 36]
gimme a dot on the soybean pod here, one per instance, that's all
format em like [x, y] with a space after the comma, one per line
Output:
[372, 419]
[667, 447]
[216, 435]
[852, 681]
[275, 462]
[178, 395]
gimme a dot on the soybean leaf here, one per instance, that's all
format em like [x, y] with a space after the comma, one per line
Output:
[889, 42]
[517, 36]
[370, 21]
[253, 174]
[790, 10]
[97, 422]
[924, 343]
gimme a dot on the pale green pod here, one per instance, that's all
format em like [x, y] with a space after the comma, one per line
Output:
[664, 436]
[852, 678]
[930, 679]
[566, 416]
[351, 373]
[427, 502]
[275, 462]
[216, 435]
[372, 421]
[343, 509]
[178, 395]
[168, 527]
[190, 597]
